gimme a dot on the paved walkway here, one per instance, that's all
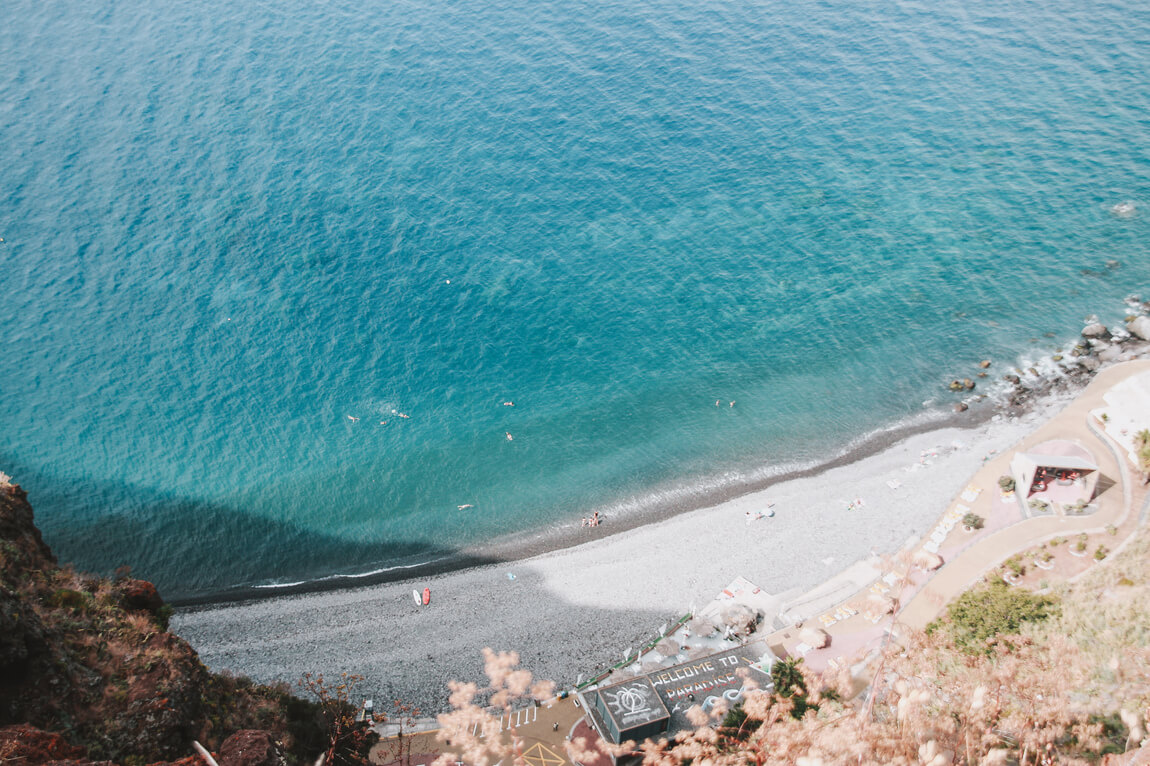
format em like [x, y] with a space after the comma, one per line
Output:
[855, 624]
[1115, 502]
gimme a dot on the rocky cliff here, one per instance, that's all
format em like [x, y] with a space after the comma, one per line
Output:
[88, 671]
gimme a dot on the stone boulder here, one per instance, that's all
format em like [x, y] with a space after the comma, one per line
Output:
[1110, 353]
[139, 595]
[1140, 327]
[251, 747]
[1095, 330]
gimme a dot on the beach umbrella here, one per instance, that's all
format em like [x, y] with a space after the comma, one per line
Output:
[814, 637]
[927, 561]
[879, 604]
[700, 626]
[740, 618]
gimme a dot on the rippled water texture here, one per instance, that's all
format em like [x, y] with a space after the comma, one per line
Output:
[241, 239]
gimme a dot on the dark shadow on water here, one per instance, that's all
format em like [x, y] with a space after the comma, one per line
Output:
[199, 553]
[202, 553]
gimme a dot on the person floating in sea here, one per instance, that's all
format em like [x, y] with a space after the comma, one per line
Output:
[509, 436]
[732, 404]
[465, 506]
[509, 404]
[717, 402]
[401, 415]
[353, 418]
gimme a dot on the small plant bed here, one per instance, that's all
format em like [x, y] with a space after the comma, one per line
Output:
[1080, 508]
[972, 521]
[1006, 488]
[1039, 507]
[1054, 561]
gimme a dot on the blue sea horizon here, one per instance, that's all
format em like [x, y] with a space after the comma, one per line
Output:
[242, 243]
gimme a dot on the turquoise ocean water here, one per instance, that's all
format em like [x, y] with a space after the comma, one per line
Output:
[230, 226]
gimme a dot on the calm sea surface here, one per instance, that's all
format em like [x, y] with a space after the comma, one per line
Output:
[243, 240]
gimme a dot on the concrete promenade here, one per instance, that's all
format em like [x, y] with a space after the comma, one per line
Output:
[1117, 502]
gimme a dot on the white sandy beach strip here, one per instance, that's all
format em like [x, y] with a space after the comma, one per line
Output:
[576, 610]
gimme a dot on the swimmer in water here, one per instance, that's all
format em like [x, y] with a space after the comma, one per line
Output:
[509, 404]
[465, 506]
[353, 419]
[509, 436]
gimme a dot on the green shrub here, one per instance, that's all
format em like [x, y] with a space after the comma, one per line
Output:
[1101, 552]
[975, 618]
[66, 598]
[1006, 483]
[973, 520]
[789, 683]
[1078, 507]
[738, 724]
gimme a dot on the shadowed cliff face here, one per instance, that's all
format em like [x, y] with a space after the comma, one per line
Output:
[90, 659]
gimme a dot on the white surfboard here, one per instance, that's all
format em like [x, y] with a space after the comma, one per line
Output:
[418, 598]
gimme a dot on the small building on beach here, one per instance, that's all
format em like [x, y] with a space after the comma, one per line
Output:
[629, 710]
[1060, 472]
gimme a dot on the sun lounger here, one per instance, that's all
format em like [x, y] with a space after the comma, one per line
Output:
[971, 493]
[827, 620]
[931, 547]
[801, 649]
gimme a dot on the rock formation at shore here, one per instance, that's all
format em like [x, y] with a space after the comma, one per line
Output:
[1098, 346]
[89, 673]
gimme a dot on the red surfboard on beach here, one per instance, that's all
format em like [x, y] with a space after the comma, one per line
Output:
[426, 596]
